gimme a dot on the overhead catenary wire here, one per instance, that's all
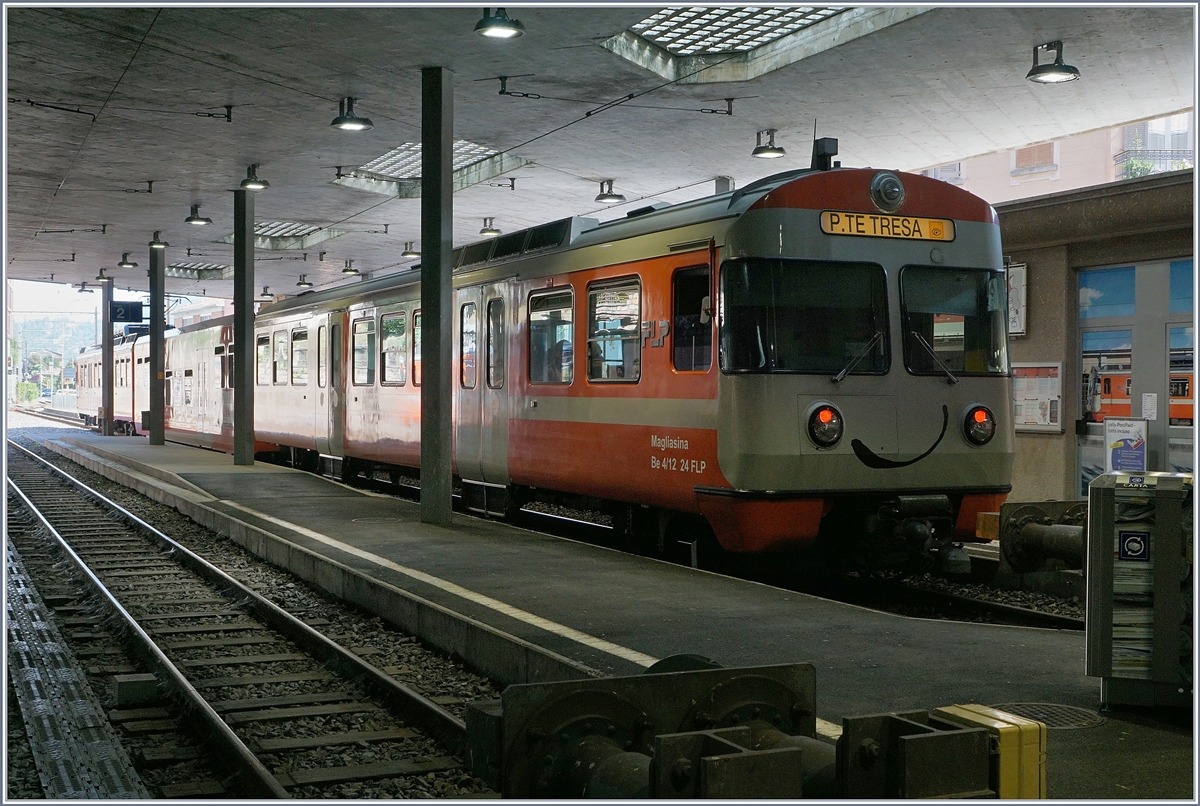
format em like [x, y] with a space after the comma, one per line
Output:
[621, 101]
[601, 108]
[91, 127]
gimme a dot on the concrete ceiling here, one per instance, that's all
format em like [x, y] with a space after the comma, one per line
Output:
[901, 88]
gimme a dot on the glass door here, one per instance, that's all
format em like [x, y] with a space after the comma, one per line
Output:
[1135, 357]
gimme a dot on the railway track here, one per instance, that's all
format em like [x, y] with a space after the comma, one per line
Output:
[61, 419]
[287, 710]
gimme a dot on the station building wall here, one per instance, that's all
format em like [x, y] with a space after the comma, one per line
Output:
[1143, 223]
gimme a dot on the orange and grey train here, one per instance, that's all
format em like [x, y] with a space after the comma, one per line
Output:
[818, 359]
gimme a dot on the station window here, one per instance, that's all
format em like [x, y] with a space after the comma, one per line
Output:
[394, 337]
[280, 374]
[364, 352]
[262, 351]
[691, 333]
[551, 355]
[322, 356]
[416, 356]
[468, 341]
[300, 357]
[495, 344]
[1105, 293]
[1180, 349]
[614, 341]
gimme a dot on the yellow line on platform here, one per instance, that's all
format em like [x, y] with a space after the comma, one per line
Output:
[458, 590]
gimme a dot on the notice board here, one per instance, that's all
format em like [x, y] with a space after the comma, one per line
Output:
[1037, 397]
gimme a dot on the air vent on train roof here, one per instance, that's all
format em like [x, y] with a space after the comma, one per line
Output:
[650, 208]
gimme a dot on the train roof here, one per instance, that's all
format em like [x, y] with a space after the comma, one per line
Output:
[555, 236]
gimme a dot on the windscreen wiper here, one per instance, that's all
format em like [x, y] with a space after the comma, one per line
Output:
[854, 361]
[937, 360]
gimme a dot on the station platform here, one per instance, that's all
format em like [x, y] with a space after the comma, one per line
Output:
[582, 609]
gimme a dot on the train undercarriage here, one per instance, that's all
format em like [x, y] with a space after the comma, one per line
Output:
[878, 534]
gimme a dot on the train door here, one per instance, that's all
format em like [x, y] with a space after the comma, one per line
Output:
[318, 378]
[481, 437]
[335, 355]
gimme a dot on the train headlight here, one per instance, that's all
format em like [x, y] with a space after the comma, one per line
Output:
[980, 425]
[887, 191]
[825, 426]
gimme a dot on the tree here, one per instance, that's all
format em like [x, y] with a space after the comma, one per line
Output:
[1136, 166]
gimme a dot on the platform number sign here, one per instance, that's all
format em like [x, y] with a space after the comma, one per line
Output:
[127, 311]
[1133, 546]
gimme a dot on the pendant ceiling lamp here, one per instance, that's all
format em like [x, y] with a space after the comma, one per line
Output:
[347, 120]
[1054, 72]
[499, 26]
[606, 196]
[252, 182]
[769, 151]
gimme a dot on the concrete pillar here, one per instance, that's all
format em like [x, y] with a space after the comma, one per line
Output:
[158, 283]
[437, 321]
[106, 354]
[243, 327]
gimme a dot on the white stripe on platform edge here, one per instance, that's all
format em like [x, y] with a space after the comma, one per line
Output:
[457, 590]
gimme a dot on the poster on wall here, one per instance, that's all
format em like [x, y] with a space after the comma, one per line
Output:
[1124, 445]
[1017, 309]
[1037, 397]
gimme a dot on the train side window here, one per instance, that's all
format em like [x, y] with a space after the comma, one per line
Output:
[495, 343]
[614, 343]
[168, 382]
[1107, 386]
[262, 351]
[691, 327]
[467, 345]
[335, 352]
[364, 352]
[551, 356]
[416, 356]
[393, 335]
[219, 353]
[280, 374]
[322, 356]
[229, 368]
[300, 357]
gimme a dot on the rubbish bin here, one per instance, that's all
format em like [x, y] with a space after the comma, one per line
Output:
[1139, 588]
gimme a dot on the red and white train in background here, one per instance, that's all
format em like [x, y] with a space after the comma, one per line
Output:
[819, 358]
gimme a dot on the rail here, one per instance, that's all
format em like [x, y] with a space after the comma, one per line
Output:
[446, 729]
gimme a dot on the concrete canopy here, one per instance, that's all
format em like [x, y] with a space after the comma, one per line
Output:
[903, 88]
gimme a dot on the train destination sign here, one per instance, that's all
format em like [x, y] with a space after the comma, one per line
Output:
[834, 222]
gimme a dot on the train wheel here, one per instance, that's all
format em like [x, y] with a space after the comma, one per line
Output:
[350, 468]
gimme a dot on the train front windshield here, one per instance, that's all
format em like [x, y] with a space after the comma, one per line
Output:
[805, 316]
[954, 319]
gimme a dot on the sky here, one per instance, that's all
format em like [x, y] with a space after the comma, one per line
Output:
[58, 297]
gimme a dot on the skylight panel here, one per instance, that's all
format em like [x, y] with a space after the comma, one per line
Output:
[686, 31]
[404, 162]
